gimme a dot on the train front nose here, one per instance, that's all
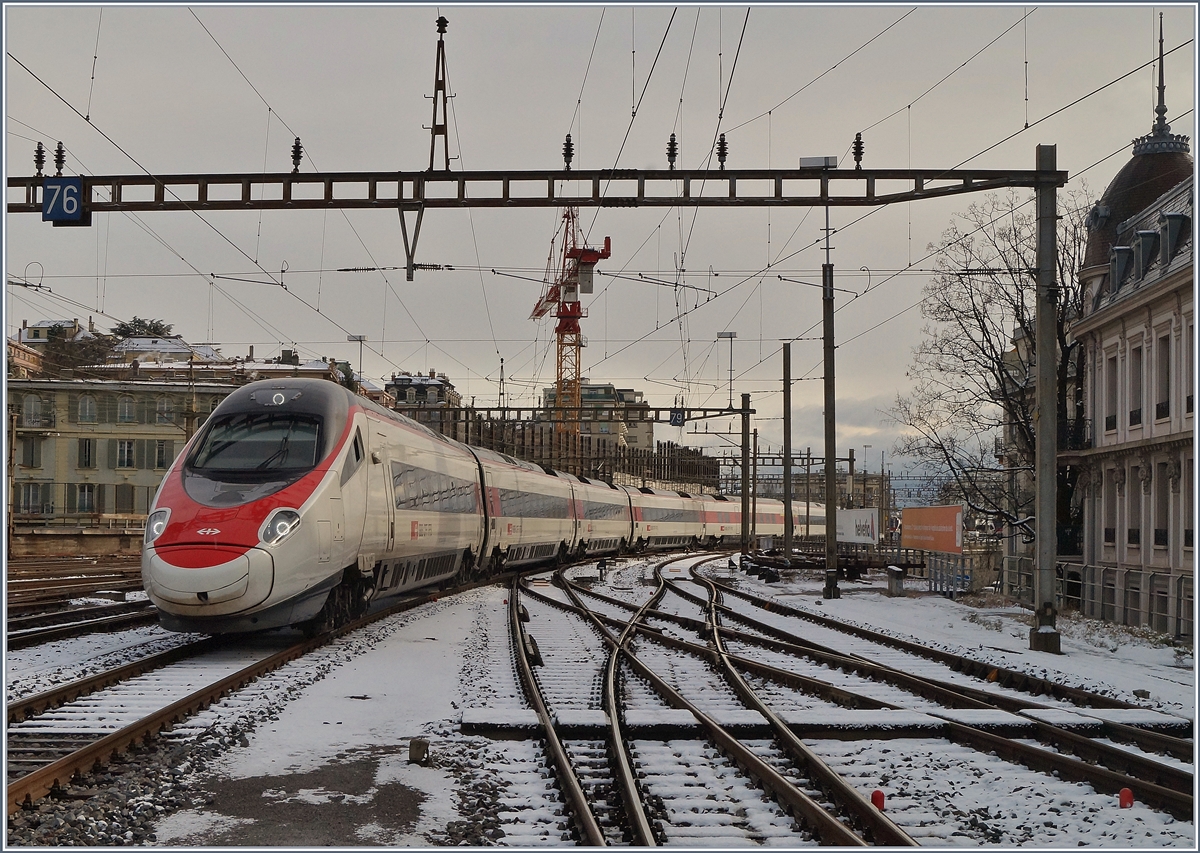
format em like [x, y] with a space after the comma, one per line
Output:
[210, 581]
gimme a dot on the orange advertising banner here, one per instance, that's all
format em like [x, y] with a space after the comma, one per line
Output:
[932, 528]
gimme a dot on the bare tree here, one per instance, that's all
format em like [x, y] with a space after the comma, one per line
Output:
[973, 397]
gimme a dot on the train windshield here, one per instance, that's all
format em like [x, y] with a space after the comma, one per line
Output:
[253, 445]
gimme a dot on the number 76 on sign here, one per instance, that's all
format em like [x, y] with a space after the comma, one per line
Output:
[62, 199]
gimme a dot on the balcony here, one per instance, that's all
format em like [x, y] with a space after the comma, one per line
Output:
[44, 420]
[1133, 536]
[1162, 410]
[1135, 417]
[1075, 434]
[1160, 538]
[1110, 423]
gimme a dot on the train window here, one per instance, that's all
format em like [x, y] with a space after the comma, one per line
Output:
[251, 442]
[517, 503]
[354, 457]
[432, 491]
[595, 511]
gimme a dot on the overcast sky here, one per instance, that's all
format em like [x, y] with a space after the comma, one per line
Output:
[226, 89]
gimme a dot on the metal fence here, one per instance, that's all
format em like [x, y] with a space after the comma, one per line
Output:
[80, 504]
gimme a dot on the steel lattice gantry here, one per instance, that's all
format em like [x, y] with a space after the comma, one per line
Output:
[821, 185]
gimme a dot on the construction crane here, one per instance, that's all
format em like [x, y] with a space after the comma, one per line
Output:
[573, 276]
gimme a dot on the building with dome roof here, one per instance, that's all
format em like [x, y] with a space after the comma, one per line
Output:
[1138, 331]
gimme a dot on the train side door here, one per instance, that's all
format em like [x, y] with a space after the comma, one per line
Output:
[383, 501]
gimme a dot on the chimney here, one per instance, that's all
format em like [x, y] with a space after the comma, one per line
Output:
[91, 325]
[250, 357]
[431, 374]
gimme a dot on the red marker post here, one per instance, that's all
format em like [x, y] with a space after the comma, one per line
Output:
[1126, 798]
[877, 799]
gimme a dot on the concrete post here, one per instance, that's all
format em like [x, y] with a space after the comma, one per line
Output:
[745, 473]
[1044, 636]
[787, 454]
[831, 588]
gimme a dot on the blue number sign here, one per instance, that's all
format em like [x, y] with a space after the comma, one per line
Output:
[62, 199]
[677, 417]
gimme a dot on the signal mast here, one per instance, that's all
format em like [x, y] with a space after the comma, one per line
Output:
[561, 296]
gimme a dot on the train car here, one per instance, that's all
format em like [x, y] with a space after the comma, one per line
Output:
[530, 510]
[298, 502]
[663, 520]
[722, 518]
[605, 517]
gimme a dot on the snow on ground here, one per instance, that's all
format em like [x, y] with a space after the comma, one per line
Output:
[324, 757]
[39, 668]
[1095, 655]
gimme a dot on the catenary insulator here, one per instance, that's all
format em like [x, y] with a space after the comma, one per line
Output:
[568, 151]
[441, 24]
[39, 158]
[672, 151]
[722, 151]
[60, 159]
[297, 153]
[858, 150]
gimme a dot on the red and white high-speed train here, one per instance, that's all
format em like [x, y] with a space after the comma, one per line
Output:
[299, 502]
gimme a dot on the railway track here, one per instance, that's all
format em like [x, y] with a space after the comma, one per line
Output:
[45, 584]
[1153, 779]
[62, 733]
[635, 678]
[26, 631]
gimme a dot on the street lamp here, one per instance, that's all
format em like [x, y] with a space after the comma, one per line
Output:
[360, 339]
[730, 336]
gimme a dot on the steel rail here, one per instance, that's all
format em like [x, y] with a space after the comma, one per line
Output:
[31, 706]
[1176, 802]
[880, 829]
[36, 636]
[824, 825]
[572, 789]
[1174, 796]
[49, 778]
[50, 618]
[955, 696]
[1151, 741]
[1004, 677]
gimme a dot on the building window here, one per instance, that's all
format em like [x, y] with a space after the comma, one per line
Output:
[1162, 505]
[1110, 508]
[1134, 522]
[124, 453]
[1110, 403]
[87, 409]
[1189, 505]
[164, 409]
[124, 498]
[1162, 407]
[87, 453]
[1135, 386]
[31, 451]
[31, 498]
[411, 396]
[1191, 367]
[162, 456]
[431, 395]
[126, 411]
[86, 497]
[31, 411]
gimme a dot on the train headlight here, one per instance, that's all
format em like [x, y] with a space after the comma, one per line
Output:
[280, 525]
[156, 524]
